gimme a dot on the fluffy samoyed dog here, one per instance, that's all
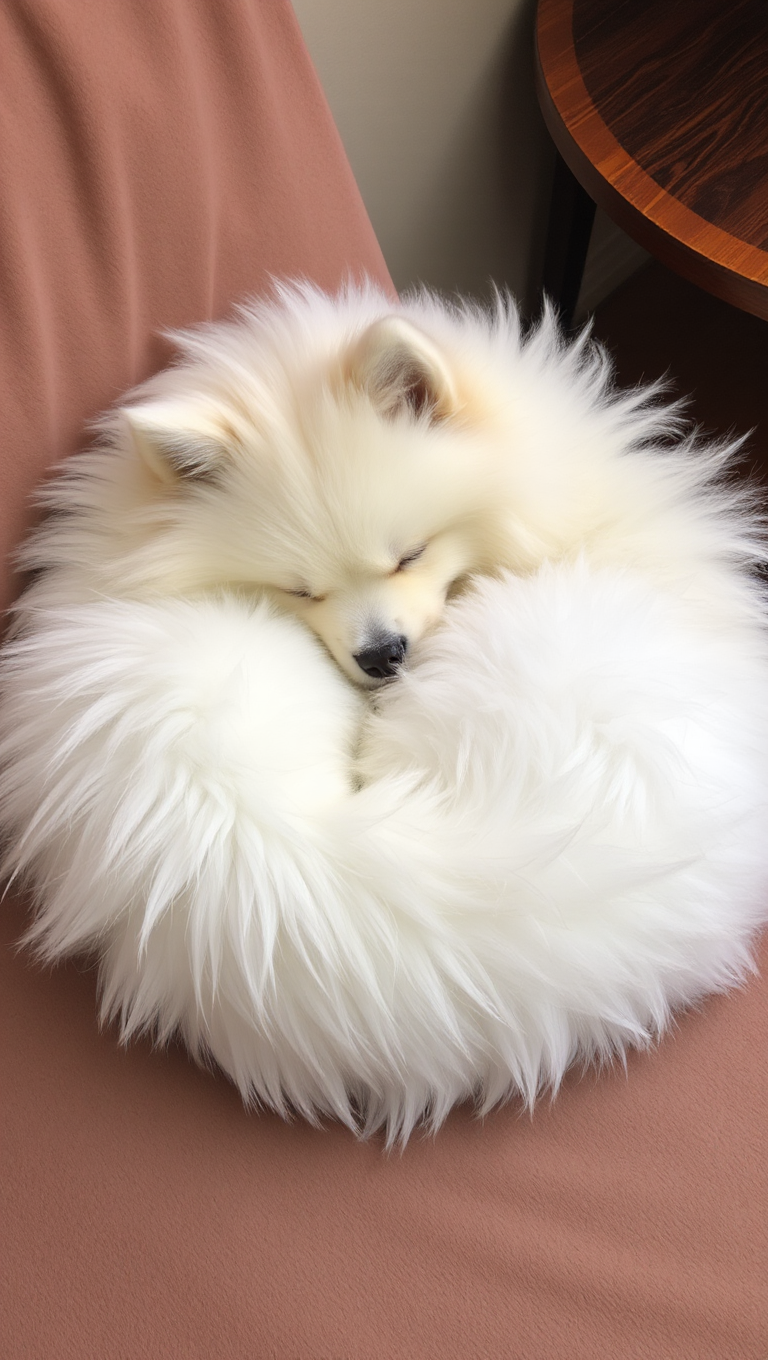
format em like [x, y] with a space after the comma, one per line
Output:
[388, 708]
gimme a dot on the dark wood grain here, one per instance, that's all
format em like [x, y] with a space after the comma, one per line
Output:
[660, 107]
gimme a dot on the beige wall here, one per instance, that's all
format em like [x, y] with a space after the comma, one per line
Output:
[435, 103]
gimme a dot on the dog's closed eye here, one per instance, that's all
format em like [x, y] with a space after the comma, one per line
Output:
[306, 595]
[409, 557]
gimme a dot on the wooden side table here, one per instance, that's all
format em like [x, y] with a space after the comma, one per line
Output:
[659, 111]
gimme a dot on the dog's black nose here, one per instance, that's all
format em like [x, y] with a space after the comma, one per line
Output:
[381, 661]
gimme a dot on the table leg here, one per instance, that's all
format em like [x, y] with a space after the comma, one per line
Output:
[571, 215]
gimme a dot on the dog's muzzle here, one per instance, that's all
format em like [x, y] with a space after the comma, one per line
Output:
[382, 659]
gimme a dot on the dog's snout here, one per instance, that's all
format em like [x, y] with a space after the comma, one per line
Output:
[381, 660]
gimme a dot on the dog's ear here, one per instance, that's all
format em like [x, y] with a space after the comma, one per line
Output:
[401, 369]
[175, 441]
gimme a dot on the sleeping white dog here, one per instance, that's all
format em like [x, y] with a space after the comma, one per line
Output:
[545, 824]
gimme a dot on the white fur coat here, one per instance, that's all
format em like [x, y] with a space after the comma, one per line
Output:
[546, 835]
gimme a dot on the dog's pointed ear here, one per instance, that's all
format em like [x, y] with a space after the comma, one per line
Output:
[402, 370]
[176, 442]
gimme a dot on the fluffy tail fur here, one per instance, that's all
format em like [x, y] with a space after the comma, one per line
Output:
[559, 835]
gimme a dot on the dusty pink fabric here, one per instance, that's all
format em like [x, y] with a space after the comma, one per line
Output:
[158, 158]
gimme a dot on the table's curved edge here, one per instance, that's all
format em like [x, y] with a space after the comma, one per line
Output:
[731, 269]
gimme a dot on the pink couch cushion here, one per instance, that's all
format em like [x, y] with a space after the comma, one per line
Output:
[159, 158]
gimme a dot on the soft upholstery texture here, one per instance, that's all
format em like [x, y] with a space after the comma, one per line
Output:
[156, 161]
